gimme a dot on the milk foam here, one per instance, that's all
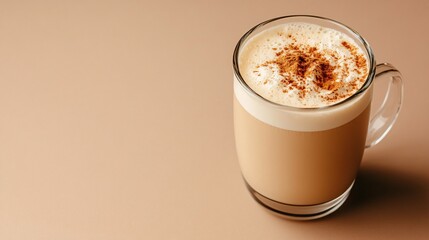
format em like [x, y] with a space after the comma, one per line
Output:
[261, 72]
[303, 65]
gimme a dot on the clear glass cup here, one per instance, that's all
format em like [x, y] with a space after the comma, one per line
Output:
[289, 165]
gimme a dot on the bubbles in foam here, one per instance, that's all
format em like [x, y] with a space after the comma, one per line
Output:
[303, 65]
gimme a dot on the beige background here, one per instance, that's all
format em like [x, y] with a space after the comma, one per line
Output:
[116, 122]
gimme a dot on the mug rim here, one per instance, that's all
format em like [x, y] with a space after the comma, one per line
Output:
[249, 90]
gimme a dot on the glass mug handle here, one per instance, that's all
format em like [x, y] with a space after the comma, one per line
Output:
[384, 118]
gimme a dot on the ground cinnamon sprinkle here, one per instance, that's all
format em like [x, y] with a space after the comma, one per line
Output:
[325, 76]
[297, 64]
[360, 61]
[303, 62]
[348, 46]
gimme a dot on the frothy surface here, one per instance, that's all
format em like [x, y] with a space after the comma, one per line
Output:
[303, 65]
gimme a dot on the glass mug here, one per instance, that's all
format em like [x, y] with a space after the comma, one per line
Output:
[293, 167]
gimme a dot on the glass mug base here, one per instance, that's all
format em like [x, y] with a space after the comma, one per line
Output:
[299, 212]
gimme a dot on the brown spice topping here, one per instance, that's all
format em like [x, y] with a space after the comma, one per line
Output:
[304, 62]
[360, 61]
[297, 64]
[325, 77]
[348, 46]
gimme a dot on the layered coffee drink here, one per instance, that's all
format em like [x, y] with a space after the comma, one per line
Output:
[300, 115]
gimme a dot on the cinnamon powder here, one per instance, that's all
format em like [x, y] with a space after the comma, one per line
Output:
[297, 64]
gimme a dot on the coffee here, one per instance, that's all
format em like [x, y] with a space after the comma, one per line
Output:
[299, 167]
[302, 97]
[289, 151]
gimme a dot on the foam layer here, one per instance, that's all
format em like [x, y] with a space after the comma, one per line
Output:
[303, 65]
[298, 120]
[325, 68]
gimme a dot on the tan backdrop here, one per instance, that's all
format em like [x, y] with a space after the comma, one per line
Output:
[116, 122]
